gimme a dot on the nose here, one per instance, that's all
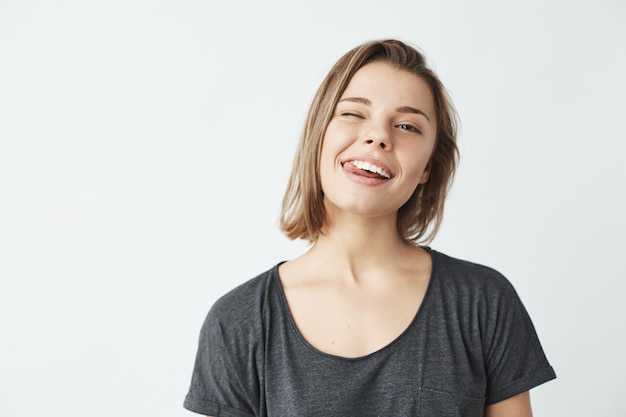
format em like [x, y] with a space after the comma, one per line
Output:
[379, 137]
[382, 143]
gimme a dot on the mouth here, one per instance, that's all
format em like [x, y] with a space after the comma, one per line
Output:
[367, 169]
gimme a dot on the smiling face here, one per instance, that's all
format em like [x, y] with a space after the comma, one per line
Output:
[377, 147]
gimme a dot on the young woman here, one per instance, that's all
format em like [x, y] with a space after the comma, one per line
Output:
[369, 322]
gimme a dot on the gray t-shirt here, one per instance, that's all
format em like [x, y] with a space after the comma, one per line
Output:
[471, 344]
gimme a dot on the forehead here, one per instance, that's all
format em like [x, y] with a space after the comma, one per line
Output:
[382, 83]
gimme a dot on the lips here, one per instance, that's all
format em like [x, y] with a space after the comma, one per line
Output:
[371, 168]
[367, 170]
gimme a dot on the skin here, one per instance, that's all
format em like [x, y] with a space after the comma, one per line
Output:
[360, 285]
[517, 406]
[387, 115]
[348, 269]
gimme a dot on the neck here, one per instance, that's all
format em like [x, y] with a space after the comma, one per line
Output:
[361, 245]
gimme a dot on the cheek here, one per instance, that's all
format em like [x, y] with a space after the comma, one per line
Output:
[418, 167]
[326, 159]
[417, 158]
[338, 136]
[333, 144]
[326, 162]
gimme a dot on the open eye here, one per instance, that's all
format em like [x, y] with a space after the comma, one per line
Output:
[409, 128]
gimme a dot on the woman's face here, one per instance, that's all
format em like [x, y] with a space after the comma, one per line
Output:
[378, 143]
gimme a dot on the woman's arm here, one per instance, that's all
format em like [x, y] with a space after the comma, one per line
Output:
[517, 406]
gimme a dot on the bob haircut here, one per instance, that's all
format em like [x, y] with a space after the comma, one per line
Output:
[303, 214]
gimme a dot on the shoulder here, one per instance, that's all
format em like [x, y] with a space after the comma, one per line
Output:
[482, 305]
[230, 349]
[241, 310]
[471, 280]
[246, 298]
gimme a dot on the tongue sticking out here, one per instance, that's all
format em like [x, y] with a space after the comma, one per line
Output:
[369, 174]
[363, 172]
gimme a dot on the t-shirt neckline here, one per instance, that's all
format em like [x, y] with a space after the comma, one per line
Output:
[275, 277]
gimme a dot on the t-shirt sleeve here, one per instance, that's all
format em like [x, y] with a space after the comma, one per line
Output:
[223, 381]
[514, 359]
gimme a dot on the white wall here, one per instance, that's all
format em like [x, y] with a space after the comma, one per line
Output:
[145, 146]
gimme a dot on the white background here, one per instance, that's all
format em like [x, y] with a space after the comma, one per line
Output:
[145, 146]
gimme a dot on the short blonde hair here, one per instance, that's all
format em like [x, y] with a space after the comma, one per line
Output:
[303, 214]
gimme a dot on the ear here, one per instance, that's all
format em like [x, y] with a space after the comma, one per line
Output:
[426, 174]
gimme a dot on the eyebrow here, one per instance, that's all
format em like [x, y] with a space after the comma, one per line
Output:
[401, 109]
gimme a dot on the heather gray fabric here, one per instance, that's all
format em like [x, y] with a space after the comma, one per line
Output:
[471, 344]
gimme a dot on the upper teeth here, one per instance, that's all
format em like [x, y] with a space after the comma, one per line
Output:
[371, 168]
